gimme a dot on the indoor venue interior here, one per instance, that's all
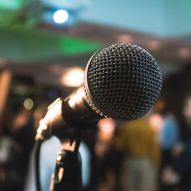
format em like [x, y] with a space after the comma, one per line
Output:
[54, 50]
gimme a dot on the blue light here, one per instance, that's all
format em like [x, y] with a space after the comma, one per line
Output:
[60, 16]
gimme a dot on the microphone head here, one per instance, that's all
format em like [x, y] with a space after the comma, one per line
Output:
[122, 82]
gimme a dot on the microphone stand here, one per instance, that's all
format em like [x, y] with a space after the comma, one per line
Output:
[66, 124]
[67, 175]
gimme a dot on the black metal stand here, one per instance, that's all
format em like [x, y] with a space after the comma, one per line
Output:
[66, 125]
[67, 174]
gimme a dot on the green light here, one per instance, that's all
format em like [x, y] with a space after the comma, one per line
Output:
[76, 46]
[11, 4]
[20, 44]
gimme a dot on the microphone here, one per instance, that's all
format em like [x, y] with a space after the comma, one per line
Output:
[121, 81]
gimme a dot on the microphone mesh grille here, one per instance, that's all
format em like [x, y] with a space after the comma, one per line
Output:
[123, 81]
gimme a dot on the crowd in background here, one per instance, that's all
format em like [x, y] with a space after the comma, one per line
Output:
[152, 153]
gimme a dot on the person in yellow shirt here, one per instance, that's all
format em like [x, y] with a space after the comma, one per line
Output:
[137, 140]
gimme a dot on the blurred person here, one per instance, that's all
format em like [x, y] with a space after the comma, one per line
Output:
[169, 143]
[185, 119]
[165, 125]
[22, 133]
[137, 140]
[182, 152]
[176, 86]
[106, 129]
[167, 129]
[106, 161]
[6, 144]
[169, 139]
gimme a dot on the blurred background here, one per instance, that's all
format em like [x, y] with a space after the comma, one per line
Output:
[44, 48]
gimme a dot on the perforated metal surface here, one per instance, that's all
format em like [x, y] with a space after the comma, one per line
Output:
[123, 81]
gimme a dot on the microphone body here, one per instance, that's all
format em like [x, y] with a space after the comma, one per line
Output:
[121, 81]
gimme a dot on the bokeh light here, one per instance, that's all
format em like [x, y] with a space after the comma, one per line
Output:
[28, 103]
[73, 78]
[60, 16]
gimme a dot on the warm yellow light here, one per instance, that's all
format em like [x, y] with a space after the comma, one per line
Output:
[184, 52]
[73, 78]
[156, 122]
[154, 44]
[106, 129]
[125, 38]
[28, 103]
